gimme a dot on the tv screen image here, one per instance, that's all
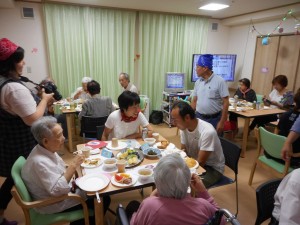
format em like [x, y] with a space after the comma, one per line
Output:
[174, 82]
[223, 65]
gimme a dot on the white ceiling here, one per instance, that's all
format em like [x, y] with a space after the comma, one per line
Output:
[237, 7]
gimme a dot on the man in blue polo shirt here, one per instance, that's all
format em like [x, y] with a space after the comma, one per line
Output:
[210, 95]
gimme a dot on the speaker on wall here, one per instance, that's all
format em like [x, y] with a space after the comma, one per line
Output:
[214, 26]
[27, 13]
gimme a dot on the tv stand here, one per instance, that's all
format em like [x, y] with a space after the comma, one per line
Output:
[167, 103]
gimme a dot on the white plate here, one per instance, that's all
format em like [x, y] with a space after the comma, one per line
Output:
[86, 165]
[266, 107]
[92, 182]
[171, 151]
[121, 146]
[134, 180]
[170, 146]
[95, 151]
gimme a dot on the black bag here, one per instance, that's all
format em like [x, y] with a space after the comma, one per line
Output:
[156, 117]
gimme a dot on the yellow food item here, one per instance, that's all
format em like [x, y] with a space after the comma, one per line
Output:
[163, 145]
[123, 155]
[133, 160]
[190, 162]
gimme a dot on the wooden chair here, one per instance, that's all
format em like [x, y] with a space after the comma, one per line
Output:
[32, 217]
[272, 144]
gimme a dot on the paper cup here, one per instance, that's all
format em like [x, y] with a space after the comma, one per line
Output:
[86, 151]
[121, 166]
[114, 142]
[156, 136]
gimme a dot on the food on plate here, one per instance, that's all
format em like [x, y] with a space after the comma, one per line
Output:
[151, 152]
[190, 162]
[163, 144]
[92, 162]
[131, 155]
[123, 178]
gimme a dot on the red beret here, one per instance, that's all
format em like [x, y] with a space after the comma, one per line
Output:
[7, 48]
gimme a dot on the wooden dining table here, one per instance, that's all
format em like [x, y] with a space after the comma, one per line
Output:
[252, 113]
[111, 189]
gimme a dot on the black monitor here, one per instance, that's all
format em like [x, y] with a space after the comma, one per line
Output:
[223, 65]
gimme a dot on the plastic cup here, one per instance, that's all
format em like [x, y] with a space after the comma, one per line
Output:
[156, 136]
[86, 151]
[150, 133]
[121, 166]
[114, 142]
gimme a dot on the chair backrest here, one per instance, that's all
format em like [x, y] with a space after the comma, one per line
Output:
[100, 130]
[271, 143]
[231, 153]
[121, 216]
[89, 125]
[265, 200]
[19, 184]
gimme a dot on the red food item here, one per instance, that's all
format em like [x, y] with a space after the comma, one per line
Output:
[118, 178]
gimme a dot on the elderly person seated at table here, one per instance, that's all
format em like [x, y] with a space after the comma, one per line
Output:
[81, 92]
[244, 92]
[280, 97]
[96, 106]
[170, 203]
[45, 173]
[124, 80]
[125, 122]
[200, 141]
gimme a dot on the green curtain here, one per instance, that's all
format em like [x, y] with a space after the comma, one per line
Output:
[166, 44]
[88, 41]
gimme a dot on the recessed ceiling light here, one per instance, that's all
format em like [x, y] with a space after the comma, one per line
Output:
[214, 6]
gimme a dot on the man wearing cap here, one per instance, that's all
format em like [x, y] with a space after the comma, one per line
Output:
[124, 80]
[210, 95]
[81, 92]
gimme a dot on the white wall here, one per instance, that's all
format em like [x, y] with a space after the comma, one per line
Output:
[243, 43]
[29, 34]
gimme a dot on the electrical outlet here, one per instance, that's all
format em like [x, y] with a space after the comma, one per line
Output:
[28, 69]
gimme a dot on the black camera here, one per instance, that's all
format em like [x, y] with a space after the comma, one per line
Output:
[51, 88]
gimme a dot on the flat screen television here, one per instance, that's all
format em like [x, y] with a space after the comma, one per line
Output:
[223, 65]
[174, 82]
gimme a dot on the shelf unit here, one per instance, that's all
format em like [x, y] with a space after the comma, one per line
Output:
[167, 103]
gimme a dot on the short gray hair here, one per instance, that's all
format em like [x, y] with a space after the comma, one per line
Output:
[126, 76]
[172, 177]
[42, 128]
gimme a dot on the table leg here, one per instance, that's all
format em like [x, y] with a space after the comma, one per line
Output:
[69, 118]
[99, 215]
[245, 137]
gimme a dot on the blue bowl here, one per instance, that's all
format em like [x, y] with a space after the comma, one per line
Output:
[156, 152]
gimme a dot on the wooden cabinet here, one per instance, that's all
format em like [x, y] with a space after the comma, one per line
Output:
[280, 56]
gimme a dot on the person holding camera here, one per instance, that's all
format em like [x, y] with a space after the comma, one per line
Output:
[19, 108]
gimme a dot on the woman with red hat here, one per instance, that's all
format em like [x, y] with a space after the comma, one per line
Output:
[19, 108]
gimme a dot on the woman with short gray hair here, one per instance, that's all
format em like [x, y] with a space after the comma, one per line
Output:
[179, 177]
[170, 203]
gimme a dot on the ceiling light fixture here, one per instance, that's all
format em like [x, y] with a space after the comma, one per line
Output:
[214, 6]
